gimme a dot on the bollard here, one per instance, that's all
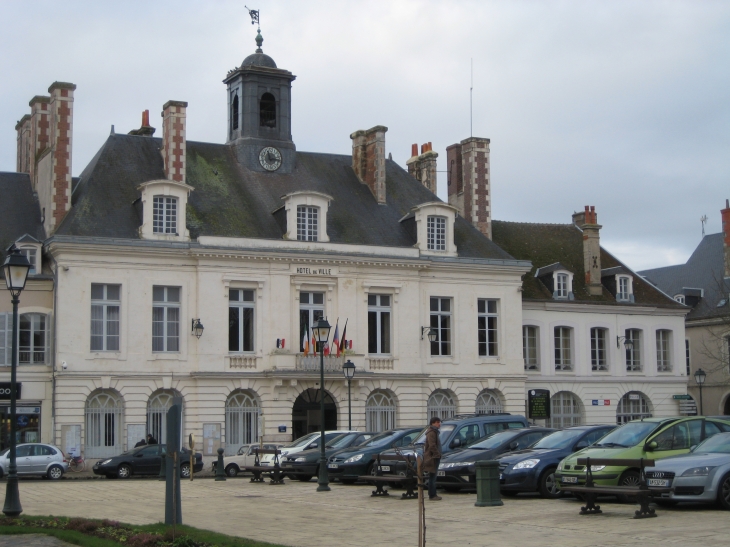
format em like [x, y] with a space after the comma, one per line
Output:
[488, 494]
[163, 467]
[220, 473]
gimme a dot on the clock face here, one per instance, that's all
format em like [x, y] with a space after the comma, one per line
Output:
[270, 158]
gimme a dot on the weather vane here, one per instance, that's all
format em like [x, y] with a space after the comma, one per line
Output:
[254, 13]
[703, 220]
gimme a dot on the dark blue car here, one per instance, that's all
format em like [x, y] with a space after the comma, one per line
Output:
[533, 469]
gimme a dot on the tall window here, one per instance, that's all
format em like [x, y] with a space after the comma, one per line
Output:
[164, 215]
[623, 288]
[104, 412]
[31, 254]
[633, 350]
[267, 110]
[33, 338]
[234, 112]
[488, 403]
[441, 325]
[311, 309]
[242, 421]
[380, 411]
[487, 327]
[6, 335]
[632, 406]
[530, 347]
[307, 223]
[441, 405]
[565, 410]
[599, 360]
[563, 355]
[686, 355]
[561, 285]
[436, 233]
[105, 305]
[166, 319]
[240, 320]
[379, 323]
[663, 344]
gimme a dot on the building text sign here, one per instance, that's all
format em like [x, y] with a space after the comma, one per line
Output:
[5, 390]
[314, 271]
[538, 404]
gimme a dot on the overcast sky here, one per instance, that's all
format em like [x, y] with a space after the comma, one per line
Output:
[621, 105]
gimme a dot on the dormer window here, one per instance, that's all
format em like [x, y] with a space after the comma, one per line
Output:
[307, 223]
[561, 285]
[623, 284]
[558, 280]
[29, 247]
[304, 216]
[436, 233]
[679, 298]
[267, 110]
[432, 224]
[31, 253]
[619, 282]
[164, 215]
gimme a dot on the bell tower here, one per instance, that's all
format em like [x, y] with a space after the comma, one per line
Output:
[259, 113]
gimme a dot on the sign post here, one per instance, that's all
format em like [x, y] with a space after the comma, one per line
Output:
[538, 404]
[191, 443]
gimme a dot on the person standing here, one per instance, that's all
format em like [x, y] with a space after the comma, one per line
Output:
[151, 439]
[432, 456]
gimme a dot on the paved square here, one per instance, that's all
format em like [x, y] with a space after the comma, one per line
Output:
[295, 514]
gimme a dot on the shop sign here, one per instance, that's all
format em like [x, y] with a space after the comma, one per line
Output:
[683, 396]
[5, 390]
[538, 404]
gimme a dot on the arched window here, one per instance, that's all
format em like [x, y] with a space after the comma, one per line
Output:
[242, 421]
[488, 402]
[565, 410]
[633, 406]
[267, 110]
[157, 407]
[442, 405]
[380, 411]
[104, 412]
[234, 112]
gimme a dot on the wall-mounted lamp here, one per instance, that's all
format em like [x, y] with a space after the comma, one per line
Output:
[197, 328]
[628, 342]
[430, 332]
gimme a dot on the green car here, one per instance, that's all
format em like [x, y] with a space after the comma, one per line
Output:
[652, 438]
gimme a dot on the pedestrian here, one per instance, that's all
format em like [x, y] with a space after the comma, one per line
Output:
[141, 443]
[432, 456]
[151, 439]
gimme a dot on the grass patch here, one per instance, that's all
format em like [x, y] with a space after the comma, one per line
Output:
[107, 533]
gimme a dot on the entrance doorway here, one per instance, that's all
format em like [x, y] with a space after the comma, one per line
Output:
[305, 415]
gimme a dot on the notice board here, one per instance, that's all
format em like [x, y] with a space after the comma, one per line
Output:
[538, 404]
[71, 439]
[211, 439]
[135, 433]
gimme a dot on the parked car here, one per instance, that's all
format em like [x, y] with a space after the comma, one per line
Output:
[41, 459]
[306, 462]
[533, 469]
[703, 475]
[245, 456]
[144, 460]
[349, 464]
[457, 469]
[307, 442]
[458, 432]
[654, 438]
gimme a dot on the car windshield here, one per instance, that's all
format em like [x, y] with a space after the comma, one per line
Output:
[445, 429]
[384, 438]
[4, 452]
[559, 439]
[717, 443]
[495, 440]
[341, 440]
[304, 440]
[629, 434]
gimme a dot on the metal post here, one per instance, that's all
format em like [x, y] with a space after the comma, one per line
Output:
[220, 473]
[323, 480]
[12, 507]
[702, 413]
[349, 406]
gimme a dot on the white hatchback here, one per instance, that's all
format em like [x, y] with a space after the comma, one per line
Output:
[41, 459]
[307, 442]
[245, 456]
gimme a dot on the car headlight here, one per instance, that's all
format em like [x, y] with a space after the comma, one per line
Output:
[698, 471]
[355, 458]
[302, 459]
[105, 462]
[595, 468]
[455, 464]
[560, 466]
[526, 464]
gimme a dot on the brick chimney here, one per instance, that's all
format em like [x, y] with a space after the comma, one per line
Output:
[468, 182]
[61, 141]
[173, 139]
[726, 236]
[368, 159]
[587, 221]
[423, 166]
[23, 155]
[145, 130]
[40, 126]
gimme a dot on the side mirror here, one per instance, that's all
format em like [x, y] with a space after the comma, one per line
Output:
[514, 445]
[580, 446]
[650, 446]
[455, 443]
[313, 445]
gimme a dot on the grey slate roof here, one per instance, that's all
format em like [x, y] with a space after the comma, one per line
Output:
[703, 270]
[231, 201]
[19, 211]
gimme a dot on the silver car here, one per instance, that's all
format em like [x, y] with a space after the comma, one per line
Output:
[41, 459]
[703, 475]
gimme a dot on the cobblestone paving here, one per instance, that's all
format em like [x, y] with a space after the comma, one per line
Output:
[32, 540]
[295, 514]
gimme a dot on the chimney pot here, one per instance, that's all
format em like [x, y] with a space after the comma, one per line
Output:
[414, 150]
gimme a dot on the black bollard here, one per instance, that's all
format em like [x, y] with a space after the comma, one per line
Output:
[488, 494]
[220, 473]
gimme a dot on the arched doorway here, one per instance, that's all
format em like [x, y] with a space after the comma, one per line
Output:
[242, 418]
[157, 406]
[104, 412]
[305, 416]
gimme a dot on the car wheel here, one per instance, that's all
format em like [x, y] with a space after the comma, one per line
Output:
[185, 471]
[124, 471]
[629, 478]
[723, 492]
[549, 486]
[55, 472]
[232, 470]
[304, 478]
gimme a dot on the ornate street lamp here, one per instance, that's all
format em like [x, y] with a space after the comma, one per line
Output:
[321, 333]
[197, 328]
[16, 269]
[430, 332]
[700, 376]
[348, 369]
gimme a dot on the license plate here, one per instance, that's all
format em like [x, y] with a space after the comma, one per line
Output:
[441, 474]
[332, 466]
[264, 463]
[570, 480]
[657, 482]
[385, 468]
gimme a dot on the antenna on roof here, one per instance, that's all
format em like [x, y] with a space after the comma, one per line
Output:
[471, 92]
[703, 220]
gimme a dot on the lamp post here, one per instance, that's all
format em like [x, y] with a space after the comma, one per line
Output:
[348, 369]
[700, 376]
[321, 333]
[16, 269]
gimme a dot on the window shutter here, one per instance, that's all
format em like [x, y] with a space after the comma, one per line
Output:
[4, 339]
[47, 348]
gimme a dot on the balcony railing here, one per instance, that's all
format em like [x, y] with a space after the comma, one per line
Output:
[380, 363]
[310, 363]
[242, 361]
